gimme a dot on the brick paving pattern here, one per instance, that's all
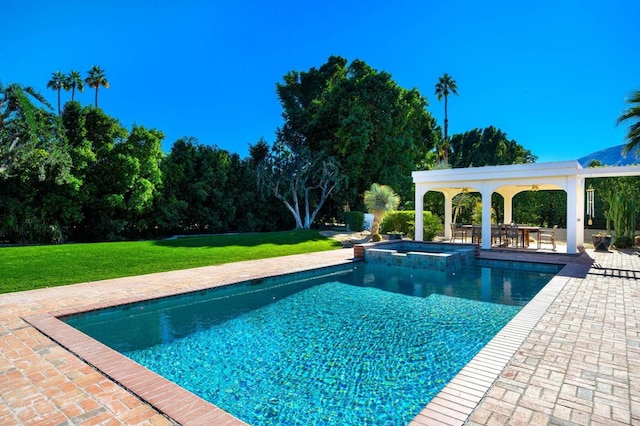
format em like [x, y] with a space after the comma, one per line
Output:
[575, 362]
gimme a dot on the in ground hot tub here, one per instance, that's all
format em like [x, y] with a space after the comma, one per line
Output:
[417, 254]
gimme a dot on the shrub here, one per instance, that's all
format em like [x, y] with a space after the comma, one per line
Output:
[375, 238]
[354, 221]
[404, 221]
[623, 242]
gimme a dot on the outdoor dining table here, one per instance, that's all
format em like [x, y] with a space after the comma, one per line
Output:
[524, 229]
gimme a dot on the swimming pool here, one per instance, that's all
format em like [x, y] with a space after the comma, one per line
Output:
[352, 346]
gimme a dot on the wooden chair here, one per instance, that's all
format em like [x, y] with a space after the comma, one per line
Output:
[496, 235]
[512, 233]
[549, 236]
[458, 231]
[476, 234]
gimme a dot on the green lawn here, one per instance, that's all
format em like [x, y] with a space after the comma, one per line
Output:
[31, 267]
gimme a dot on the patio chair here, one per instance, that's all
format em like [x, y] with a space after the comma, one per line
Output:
[496, 235]
[549, 236]
[476, 234]
[512, 234]
[458, 231]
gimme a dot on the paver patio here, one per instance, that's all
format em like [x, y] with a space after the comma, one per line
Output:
[579, 364]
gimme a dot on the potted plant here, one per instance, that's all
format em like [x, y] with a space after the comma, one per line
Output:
[395, 235]
[601, 241]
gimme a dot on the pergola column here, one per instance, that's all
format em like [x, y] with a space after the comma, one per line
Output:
[575, 214]
[508, 208]
[419, 203]
[486, 216]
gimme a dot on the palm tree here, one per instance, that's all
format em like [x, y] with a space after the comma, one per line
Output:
[379, 200]
[446, 86]
[633, 115]
[74, 81]
[96, 78]
[57, 82]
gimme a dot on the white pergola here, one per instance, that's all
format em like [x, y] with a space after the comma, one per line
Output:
[509, 181]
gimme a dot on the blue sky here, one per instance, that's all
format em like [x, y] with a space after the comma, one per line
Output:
[553, 75]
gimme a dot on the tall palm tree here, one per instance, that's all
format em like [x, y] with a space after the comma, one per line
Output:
[57, 82]
[73, 82]
[379, 200]
[95, 79]
[633, 115]
[446, 86]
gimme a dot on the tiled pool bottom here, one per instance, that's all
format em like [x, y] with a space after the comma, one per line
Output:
[186, 281]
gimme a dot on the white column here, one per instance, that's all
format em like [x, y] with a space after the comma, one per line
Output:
[508, 208]
[486, 217]
[419, 203]
[448, 213]
[574, 214]
[580, 223]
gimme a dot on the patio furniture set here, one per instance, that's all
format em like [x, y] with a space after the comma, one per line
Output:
[507, 235]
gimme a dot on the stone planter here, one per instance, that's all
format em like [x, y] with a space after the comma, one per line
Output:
[601, 242]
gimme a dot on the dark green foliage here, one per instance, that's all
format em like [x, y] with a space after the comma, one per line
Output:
[622, 242]
[539, 208]
[616, 201]
[376, 130]
[354, 221]
[404, 221]
[487, 147]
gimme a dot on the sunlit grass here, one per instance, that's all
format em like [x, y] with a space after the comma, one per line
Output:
[32, 267]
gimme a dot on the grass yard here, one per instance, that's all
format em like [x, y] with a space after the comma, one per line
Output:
[32, 267]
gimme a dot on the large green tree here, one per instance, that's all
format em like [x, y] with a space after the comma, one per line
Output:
[57, 83]
[30, 134]
[96, 77]
[195, 189]
[487, 147]
[445, 86]
[632, 115]
[34, 164]
[374, 129]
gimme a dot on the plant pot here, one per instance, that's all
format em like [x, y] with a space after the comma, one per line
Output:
[394, 235]
[601, 242]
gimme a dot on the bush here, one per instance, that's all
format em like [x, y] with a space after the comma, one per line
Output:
[375, 238]
[623, 242]
[354, 221]
[404, 221]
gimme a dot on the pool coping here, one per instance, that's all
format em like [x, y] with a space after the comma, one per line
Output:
[453, 405]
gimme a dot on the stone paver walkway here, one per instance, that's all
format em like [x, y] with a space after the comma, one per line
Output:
[579, 364]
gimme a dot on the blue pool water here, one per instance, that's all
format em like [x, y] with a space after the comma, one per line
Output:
[359, 345]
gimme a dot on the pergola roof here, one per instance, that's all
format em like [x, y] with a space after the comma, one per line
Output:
[510, 180]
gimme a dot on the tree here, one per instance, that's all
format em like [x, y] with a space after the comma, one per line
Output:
[30, 136]
[57, 82]
[619, 206]
[487, 147]
[95, 79]
[74, 81]
[632, 115]
[301, 179]
[446, 86]
[374, 129]
[34, 164]
[380, 199]
[195, 189]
